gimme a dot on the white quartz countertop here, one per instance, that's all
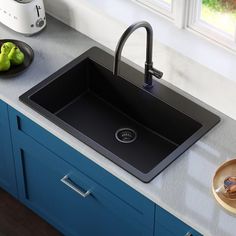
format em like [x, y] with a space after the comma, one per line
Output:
[184, 188]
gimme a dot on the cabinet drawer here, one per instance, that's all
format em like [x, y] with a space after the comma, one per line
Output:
[165, 220]
[23, 128]
[70, 200]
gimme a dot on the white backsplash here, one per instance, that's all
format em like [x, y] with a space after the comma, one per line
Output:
[186, 74]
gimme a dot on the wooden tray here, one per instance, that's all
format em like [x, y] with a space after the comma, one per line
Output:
[226, 169]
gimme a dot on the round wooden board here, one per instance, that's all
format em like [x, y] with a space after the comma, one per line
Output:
[226, 169]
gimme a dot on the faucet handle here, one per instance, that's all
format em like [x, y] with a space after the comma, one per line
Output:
[158, 74]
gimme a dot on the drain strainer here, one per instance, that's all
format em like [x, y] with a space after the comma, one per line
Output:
[126, 135]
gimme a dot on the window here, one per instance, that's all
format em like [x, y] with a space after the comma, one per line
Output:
[220, 14]
[164, 7]
[214, 19]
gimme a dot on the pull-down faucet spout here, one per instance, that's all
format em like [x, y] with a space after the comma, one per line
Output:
[149, 70]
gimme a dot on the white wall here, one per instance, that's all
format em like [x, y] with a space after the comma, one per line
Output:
[193, 76]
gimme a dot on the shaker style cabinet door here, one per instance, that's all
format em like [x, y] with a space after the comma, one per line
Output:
[7, 168]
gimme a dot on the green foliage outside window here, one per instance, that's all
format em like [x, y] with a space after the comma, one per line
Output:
[221, 5]
[220, 13]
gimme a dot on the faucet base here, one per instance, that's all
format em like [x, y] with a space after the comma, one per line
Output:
[148, 86]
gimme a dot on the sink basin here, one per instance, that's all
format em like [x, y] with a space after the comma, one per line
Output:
[141, 131]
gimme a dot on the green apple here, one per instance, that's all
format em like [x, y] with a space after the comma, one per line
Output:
[4, 62]
[15, 56]
[6, 47]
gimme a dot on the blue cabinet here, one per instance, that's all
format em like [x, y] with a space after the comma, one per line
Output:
[7, 169]
[69, 196]
[76, 195]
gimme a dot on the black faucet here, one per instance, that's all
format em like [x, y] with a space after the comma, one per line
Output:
[149, 70]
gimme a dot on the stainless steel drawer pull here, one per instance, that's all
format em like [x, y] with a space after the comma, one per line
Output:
[66, 180]
[188, 234]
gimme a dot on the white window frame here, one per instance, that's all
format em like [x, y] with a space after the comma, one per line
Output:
[160, 7]
[176, 12]
[186, 14]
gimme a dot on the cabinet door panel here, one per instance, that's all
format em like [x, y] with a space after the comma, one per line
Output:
[41, 188]
[7, 169]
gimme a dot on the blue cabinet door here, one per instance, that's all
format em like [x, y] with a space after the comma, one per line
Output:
[7, 169]
[69, 199]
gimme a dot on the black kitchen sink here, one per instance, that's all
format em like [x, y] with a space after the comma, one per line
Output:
[141, 131]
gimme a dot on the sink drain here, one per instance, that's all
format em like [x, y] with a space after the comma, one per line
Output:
[126, 135]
